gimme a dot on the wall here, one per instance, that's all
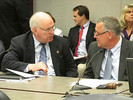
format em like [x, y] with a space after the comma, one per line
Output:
[62, 10]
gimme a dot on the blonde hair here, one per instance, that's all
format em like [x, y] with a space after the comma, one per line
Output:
[122, 16]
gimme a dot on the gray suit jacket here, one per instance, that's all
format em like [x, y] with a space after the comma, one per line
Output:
[93, 69]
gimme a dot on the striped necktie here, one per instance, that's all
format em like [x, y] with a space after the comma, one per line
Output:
[43, 57]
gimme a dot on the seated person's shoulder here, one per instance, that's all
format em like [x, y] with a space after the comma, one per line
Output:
[75, 27]
[94, 43]
[72, 31]
[94, 24]
[59, 38]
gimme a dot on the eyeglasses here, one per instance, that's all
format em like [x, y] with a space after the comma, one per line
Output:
[100, 33]
[47, 30]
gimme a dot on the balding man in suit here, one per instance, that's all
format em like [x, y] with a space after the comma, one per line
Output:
[27, 50]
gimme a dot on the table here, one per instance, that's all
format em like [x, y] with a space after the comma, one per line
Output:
[23, 95]
[49, 87]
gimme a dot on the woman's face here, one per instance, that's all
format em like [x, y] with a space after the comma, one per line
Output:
[129, 15]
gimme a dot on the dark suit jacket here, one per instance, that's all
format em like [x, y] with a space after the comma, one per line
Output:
[23, 52]
[2, 52]
[2, 48]
[14, 19]
[93, 70]
[73, 36]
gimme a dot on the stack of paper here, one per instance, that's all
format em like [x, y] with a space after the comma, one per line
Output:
[21, 76]
[92, 82]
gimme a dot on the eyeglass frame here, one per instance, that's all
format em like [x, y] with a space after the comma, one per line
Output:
[100, 33]
[47, 30]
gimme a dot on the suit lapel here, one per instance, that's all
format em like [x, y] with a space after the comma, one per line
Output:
[90, 34]
[30, 50]
[77, 35]
[55, 54]
[99, 59]
[90, 30]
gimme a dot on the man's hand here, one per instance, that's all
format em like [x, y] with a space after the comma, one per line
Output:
[86, 56]
[38, 66]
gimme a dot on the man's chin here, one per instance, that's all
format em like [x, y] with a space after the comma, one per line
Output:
[76, 23]
[51, 39]
[98, 45]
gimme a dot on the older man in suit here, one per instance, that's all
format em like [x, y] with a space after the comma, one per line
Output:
[27, 50]
[107, 34]
[79, 43]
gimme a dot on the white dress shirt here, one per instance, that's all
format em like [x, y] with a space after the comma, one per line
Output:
[81, 51]
[38, 47]
[115, 63]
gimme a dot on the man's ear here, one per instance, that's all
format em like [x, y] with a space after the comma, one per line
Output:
[33, 29]
[110, 34]
[83, 16]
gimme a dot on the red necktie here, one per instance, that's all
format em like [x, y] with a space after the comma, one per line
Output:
[80, 35]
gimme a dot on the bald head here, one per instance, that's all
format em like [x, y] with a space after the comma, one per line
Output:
[39, 17]
[42, 27]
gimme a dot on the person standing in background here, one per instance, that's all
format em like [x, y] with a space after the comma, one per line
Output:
[126, 21]
[14, 19]
[79, 43]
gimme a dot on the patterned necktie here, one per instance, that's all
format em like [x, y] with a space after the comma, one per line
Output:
[43, 57]
[108, 67]
[80, 35]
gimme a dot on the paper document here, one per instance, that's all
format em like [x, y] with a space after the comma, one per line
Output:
[92, 82]
[23, 74]
[76, 58]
